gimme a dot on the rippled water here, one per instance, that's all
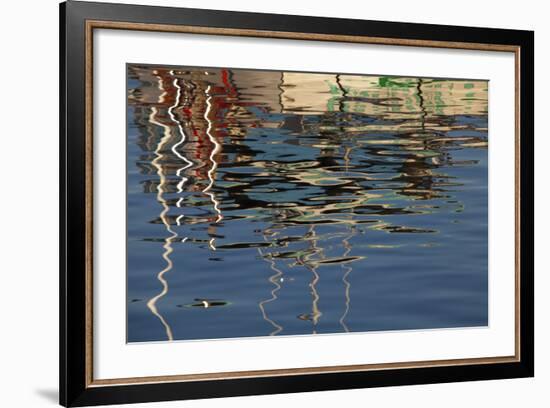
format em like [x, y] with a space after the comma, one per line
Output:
[282, 203]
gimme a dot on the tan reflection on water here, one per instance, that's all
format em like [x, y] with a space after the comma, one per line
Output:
[200, 111]
[274, 279]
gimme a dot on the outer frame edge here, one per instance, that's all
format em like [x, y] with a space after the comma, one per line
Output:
[72, 294]
[527, 188]
[73, 394]
[62, 208]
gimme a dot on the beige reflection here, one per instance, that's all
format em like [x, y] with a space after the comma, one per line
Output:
[274, 280]
[347, 285]
[312, 266]
[347, 267]
[395, 98]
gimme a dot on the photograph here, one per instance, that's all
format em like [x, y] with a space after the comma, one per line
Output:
[280, 203]
[274, 204]
[260, 203]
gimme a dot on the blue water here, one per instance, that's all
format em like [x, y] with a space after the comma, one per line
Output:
[269, 203]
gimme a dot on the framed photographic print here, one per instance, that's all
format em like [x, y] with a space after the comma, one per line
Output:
[256, 203]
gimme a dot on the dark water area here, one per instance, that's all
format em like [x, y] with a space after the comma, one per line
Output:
[280, 203]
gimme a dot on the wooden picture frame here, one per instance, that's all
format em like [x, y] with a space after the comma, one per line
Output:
[78, 20]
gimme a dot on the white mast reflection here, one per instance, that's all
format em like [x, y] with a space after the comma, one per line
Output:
[347, 270]
[347, 267]
[151, 304]
[211, 172]
[181, 141]
[167, 133]
[274, 279]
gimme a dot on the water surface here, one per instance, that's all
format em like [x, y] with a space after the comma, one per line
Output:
[282, 203]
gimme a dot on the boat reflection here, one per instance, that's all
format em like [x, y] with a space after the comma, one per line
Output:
[296, 166]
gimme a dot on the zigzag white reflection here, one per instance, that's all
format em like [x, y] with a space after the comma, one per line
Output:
[182, 140]
[151, 304]
[274, 280]
[347, 270]
[217, 148]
